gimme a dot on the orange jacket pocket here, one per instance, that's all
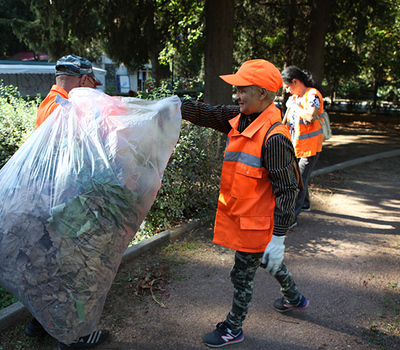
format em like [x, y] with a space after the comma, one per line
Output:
[255, 223]
[255, 232]
[245, 182]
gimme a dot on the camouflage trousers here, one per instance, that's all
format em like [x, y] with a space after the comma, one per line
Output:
[242, 276]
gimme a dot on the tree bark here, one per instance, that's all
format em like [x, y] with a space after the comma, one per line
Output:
[289, 39]
[316, 40]
[289, 34]
[153, 42]
[219, 15]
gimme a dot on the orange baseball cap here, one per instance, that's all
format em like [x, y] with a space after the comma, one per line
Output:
[256, 72]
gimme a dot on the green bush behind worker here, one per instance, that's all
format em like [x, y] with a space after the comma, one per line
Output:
[258, 190]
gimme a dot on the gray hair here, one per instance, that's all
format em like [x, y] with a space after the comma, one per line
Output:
[270, 94]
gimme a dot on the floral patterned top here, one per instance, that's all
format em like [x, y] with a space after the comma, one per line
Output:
[312, 101]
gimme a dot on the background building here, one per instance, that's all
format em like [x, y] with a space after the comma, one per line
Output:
[37, 77]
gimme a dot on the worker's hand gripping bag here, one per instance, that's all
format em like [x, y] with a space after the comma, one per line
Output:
[73, 197]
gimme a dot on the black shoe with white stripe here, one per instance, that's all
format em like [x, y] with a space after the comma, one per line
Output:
[222, 336]
[87, 342]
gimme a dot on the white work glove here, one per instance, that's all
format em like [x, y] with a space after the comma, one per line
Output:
[273, 254]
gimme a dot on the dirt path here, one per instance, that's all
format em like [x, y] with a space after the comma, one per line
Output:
[344, 255]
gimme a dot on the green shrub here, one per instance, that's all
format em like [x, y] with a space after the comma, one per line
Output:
[6, 298]
[17, 120]
[191, 180]
[355, 90]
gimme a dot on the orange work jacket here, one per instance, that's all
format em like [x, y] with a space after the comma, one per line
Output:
[48, 105]
[245, 214]
[309, 137]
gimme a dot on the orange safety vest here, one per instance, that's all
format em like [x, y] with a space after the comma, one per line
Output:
[48, 105]
[245, 214]
[309, 137]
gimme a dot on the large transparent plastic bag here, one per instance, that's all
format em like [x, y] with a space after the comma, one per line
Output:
[73, 197]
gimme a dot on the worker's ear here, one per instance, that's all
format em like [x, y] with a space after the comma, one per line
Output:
[263, 93]
[82, 80]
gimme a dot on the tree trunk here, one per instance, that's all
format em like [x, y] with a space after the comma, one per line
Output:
[316, 38]
[155, 65]
[395, 98]
[219, 15]
[289, 34]
[375, 89]
[155, 68]
[291, 14]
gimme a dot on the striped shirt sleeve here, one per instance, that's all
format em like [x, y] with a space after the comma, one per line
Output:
[214, 117]
[278, 159]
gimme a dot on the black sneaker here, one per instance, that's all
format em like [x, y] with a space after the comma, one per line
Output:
[283, 305]
[34, 328]
[87, 342]
[305, 208]
[222, 336]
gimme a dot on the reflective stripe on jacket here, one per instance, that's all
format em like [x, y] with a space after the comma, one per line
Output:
[308, 137]
[48, 105]
[245, 215]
